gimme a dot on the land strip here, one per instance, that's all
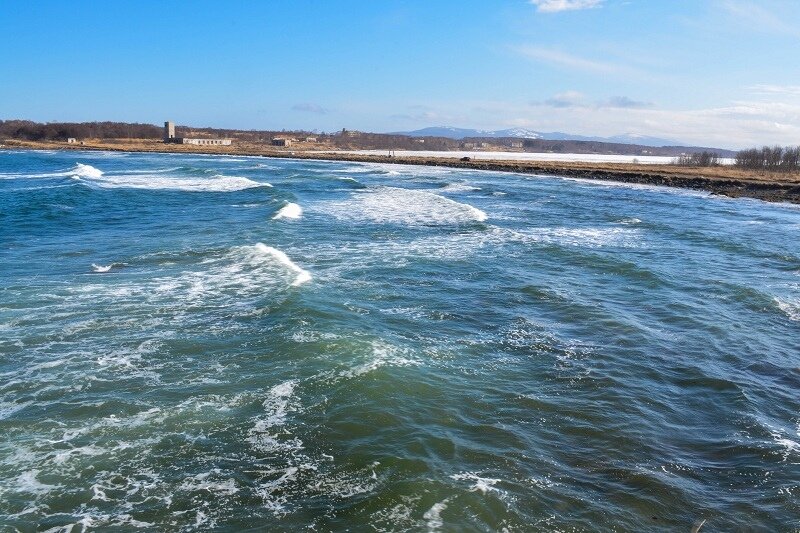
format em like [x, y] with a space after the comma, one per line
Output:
[722, 180]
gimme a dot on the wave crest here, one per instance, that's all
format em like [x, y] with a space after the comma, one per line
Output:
[403, 206]
[290, 210]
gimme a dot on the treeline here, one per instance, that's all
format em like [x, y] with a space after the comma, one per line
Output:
[774, 158]
[698, 159]
[61, 131]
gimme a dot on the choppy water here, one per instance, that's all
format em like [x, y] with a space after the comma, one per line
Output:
[192, 342]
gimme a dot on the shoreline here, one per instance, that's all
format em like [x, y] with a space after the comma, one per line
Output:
[725, 181]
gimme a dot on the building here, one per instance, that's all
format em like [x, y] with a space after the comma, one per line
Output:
[221, 142]
[311, 139]
[516, 144]
[169, 137]
[72, 140]
[281, 142]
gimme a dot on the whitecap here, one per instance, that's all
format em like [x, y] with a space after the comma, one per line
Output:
[101, 268]
[381, 354]
[216, 183]
[481, 484]
[459, 187]
[290, 210]
[402, 206]
[791, 308]
[433, 516]
[86, 171]
[302, 276]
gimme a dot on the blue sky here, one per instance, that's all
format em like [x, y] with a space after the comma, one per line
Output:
[715, 72]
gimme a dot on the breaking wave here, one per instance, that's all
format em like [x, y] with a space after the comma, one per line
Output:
[403, 206]
[301, 277]
[290, 210]
[216, 183]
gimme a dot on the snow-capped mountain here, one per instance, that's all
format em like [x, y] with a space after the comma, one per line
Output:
[524, 133]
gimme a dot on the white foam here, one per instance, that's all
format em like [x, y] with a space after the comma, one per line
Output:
[433, 516]
[27, 482]
[481, 484]
[290, 210]
[101, 268]
[216, 183]
[583, 237]
[302, 276]
[382, 354]
[86, 171]
[791, 308]
[402, 206]
[459, 187]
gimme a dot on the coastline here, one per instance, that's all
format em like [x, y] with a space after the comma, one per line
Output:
[725, 181]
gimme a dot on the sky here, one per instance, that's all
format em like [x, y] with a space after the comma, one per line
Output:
[723, 73]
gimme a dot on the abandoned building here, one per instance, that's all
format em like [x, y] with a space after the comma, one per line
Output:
[281, 142]
[169, 137]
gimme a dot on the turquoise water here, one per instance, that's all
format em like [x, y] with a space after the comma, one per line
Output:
[403, 349]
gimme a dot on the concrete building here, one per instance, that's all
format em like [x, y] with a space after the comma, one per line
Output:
[72, 140]
[169, 137]
[281, 142]
[516, 144]
[220, 142]
[169, 132]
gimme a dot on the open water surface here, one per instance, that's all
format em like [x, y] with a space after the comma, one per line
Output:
[229, 343]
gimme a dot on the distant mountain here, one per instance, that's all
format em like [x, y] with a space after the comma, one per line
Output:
[523, 133]
[461, 133]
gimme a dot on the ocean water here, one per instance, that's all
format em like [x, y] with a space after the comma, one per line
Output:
[226, 343]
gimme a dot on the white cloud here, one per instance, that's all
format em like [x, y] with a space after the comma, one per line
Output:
[556, 6]
[564, 59]
[739, 124]
[566, 99]
[772, 90]
[760, 17]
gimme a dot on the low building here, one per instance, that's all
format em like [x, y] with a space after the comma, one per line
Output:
[516, 144]
[311, 139]
[281, 142]
[72, 140]
[169, 137]
[219, 142]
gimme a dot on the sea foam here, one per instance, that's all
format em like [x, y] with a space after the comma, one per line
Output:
[302, 276]
[290, 210]
[217, 183]
[403, 206]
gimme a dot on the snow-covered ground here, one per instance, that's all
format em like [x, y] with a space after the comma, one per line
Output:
[527, 156]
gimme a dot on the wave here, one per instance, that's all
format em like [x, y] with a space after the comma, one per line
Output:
[582, 237]
[86, 171]
[216, 183]
[459, 187]
[403, 206]
[302, 276]
[290, 210]
[790, 308]
[101, 268]
[78, 171]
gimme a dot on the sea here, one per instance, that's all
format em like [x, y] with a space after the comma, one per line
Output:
[211, 343]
